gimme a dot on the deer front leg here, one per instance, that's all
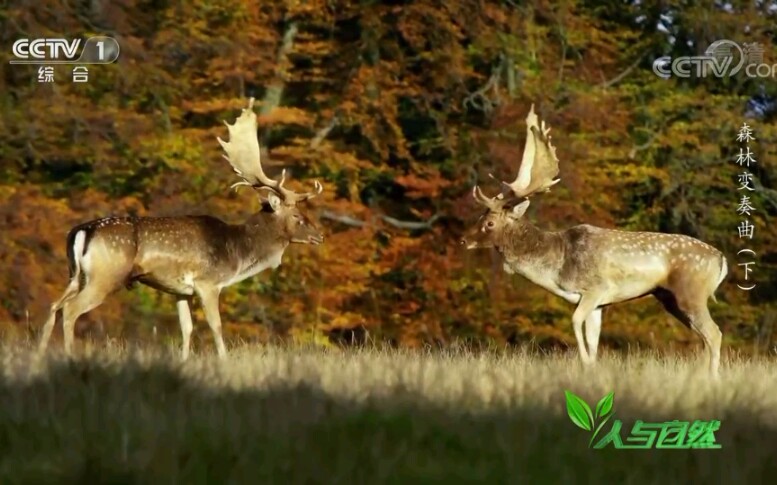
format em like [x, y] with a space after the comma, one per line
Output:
[593, 326]
[185, 318]
[210, 304]
[588, 304]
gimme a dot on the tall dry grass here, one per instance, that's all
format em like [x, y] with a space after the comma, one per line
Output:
[280, 415]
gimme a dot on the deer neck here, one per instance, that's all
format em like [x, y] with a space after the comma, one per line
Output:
[257, 243]
[528, 250]
[251, 249]
[263, 237]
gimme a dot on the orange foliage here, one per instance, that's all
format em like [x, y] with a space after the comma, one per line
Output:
[398, 108]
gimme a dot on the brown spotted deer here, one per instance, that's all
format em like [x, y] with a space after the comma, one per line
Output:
[594, 267]
[187, 255]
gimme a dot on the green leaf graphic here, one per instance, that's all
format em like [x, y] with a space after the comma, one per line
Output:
[604, 406]
[579, 412]
[599, 428]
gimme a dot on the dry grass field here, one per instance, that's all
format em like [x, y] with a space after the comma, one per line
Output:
[305, 415]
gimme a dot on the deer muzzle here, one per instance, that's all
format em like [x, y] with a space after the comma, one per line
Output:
[476, 237]
[468, 242]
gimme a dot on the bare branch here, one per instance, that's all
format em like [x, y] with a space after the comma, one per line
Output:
[480, 98]
[342, 219]
[324, 132]
[411, 225]
[644, 146]
[631, 67]
[86, 19]
[392, 221]
[272, 98]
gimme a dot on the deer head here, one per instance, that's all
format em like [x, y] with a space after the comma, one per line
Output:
[288, 222]
[536, 173]
[279, 204]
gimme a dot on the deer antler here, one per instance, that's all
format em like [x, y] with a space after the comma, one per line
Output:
[493, 204]
[243, 153]
[539, 166]
[538, 169]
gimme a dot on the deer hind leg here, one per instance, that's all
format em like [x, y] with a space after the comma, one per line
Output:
[210, 304]
[110, 277]
[74, 286]
[713, 337]
[695, 315]
[593, 327]
[70, 292]
[90, 297]
[185, 318]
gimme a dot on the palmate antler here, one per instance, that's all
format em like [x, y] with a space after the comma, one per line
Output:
[243, 153]
[538, 169]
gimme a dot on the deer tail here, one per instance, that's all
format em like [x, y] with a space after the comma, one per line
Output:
[721, 277]
[76, 243]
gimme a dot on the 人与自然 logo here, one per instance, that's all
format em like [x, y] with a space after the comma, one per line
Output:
[667, 435]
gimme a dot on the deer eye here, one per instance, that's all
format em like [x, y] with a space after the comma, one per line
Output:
[490, 224]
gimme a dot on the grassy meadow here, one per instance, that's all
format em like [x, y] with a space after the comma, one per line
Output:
[307, 415]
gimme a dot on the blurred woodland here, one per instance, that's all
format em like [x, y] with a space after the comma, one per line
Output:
[398, 108]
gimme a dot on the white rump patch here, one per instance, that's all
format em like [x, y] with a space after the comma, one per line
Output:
[723, 272]
[78, 250]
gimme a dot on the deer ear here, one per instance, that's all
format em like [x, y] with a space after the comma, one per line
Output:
[274, 201]
[519, 210]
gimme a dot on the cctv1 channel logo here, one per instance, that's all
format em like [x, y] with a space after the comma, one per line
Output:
[96, 50]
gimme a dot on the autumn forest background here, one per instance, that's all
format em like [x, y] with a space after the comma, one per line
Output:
[398, 108]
